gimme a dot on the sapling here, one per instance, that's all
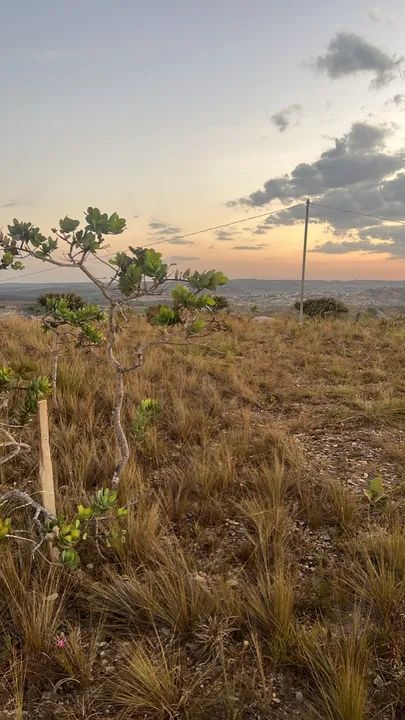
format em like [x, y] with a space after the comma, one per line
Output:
[132, 274]
[71, 320]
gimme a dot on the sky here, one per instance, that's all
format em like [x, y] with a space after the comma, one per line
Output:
[185, 115]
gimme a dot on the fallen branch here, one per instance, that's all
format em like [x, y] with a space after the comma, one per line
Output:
[11, 443]
[28, 502]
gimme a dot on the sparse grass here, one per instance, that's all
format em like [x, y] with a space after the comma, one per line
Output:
[253, 566]
[339, 672]
[147, 683]
[378, 576]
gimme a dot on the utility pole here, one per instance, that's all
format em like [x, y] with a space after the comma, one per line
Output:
[304, 260]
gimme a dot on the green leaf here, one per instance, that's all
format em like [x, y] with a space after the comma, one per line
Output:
[165, 317]
[150, 263]
[38, 389]
[196, 326]
[84, 513]
[208, 280]
[121, 259]
[6, 376]
[7, 259]
[116, 224]
[375, 491]
[70, 557]
[130, 280]
[101, 224]
[67, 225]
[5, 527]
[104, 500]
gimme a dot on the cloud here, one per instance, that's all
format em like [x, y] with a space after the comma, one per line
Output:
[167, 233]
[283, 118]
[162, 228]
[358, 156]
[349, 54]
[178, 241]
[259, 230]
[348, 246]
[378, 15]
[356, 173]
[224, 235]
[182, 258]
[249, 247]
[397, 100]
[15, 202]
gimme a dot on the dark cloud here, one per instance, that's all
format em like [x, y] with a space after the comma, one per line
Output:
[283, 118]
[15, 202]
[249, 247]
[357, 173]
[356, 157]
[349, 54]
[349, 246]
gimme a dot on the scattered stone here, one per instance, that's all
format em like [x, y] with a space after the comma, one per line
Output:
[378, 681]
[263, 318]
[299, 696]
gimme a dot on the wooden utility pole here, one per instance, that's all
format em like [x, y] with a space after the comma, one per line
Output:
[304, 260]
[45, 460]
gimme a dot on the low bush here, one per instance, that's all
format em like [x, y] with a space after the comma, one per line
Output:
[323, 307]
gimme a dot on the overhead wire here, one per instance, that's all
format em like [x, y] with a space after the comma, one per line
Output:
[224, 225]
[173, 239]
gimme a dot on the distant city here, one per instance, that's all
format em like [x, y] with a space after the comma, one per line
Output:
[266, 296]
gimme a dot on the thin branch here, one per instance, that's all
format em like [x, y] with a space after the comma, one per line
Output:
[11, 443]
[21, 495]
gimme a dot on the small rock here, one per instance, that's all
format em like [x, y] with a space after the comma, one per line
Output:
[299, 696]
[378, 681]
[110, 669]
[263, 318]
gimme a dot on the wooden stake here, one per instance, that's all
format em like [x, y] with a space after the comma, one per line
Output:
[45, 460]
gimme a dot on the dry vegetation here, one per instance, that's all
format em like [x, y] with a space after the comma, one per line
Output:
[257, 580]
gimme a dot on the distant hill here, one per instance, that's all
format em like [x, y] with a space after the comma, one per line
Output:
[268, 294]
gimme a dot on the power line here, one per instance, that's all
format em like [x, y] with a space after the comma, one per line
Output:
[17, 277]
[357, 212]
[171, 239]
[224, 225]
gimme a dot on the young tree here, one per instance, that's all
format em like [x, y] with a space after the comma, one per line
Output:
[72, 321]
[133, 274]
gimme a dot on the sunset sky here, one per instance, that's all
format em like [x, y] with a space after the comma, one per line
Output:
[186, 114]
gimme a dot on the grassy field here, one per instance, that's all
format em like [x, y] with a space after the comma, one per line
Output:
[260, 577]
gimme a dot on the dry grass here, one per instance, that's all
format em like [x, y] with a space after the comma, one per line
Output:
[253, 567]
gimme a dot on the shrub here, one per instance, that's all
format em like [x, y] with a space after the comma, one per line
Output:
[323, 307]
[73, 301]
[221, 303]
